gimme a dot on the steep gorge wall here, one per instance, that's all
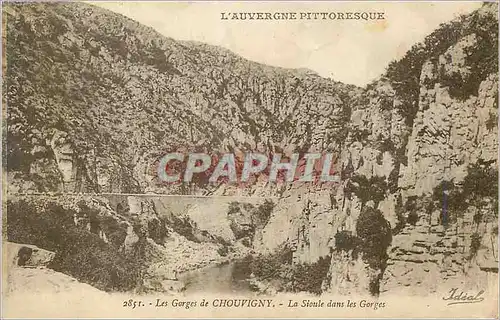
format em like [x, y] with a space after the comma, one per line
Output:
[449, 135]
[91, 110]
[399, 165]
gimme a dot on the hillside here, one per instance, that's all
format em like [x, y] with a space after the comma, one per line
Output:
[71, 81]
[94, 99]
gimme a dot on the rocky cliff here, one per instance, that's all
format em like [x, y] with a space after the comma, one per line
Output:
[72, 78]
[422, 153]
[91, 106]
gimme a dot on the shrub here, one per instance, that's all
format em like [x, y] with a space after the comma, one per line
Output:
[375, 234]
[480, 183]
[79, 253]
[492, 121]
[405, 73]
[278, 267]
[181, 225]
[482, 60]
[309, 277]
[475, 244]
[386, 145]
[348, 171]
[263, 212]
[359, 134]
[241, 231]
[368, 189]
[234, 207]
[267, 266]
[346, 241]
[411, 208]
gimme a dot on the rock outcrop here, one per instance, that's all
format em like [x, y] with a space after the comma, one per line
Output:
[427, 160]
[25, 255]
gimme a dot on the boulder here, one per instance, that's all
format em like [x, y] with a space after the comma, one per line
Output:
[26, 255]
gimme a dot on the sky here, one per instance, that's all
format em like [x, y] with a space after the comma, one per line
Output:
[350, 51]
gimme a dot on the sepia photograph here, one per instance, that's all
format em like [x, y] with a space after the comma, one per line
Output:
[174, 159]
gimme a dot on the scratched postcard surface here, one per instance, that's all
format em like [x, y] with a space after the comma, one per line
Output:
[252, 159]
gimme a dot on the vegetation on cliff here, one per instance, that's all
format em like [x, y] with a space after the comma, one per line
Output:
[478, 189]
[282, 274]
[125, 94]
[79, 252]
[404, 74]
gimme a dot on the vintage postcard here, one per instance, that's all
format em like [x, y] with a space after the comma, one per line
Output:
[250, 159]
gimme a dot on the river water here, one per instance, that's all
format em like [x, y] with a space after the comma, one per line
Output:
[228, 278]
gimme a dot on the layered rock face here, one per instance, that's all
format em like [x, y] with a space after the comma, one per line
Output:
[449, 135]
[428, 172]
[169, 95]
[92, 110]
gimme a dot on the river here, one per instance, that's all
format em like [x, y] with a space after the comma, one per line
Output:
[227, 278]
